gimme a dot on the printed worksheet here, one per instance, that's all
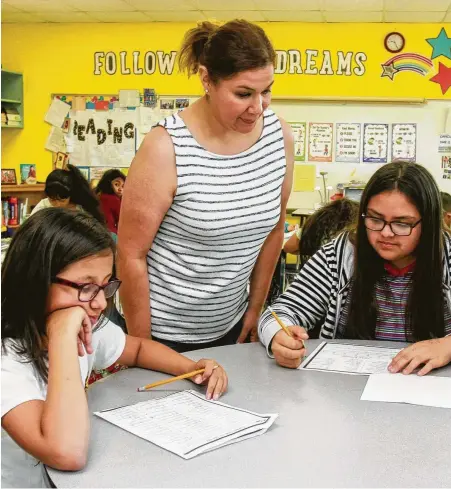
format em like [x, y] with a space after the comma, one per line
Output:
[187, 424]
[349, 359]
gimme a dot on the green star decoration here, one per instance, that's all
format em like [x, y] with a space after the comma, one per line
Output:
[389, 70]
[441, 45]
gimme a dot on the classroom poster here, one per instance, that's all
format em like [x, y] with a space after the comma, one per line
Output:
[102, 138]
[96, 173]
[404, 142]
[299, 130]
[375, 143]
[446, 167]
[347, 146]
[320, 141]
[28, 173]
[444, 143]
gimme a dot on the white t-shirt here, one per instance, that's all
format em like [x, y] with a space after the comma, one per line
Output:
[21, 383]
[44, 203]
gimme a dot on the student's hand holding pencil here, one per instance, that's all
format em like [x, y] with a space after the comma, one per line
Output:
[288, 344]
[289, 350]
[214, 376]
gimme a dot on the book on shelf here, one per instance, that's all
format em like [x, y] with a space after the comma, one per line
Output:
[13, 118]
[14, 211]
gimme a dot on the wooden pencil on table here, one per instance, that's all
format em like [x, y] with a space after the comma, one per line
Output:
[173, 379]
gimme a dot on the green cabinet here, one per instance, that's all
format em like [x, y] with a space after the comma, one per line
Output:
[12, 100]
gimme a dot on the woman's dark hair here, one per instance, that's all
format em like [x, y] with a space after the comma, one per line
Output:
[105, 183]
[225, 50]
[425, 306]
[47, 243]
[325, 224]
[70, 183]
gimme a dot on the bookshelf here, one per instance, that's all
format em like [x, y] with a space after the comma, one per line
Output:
[12, 96]
[34, 193]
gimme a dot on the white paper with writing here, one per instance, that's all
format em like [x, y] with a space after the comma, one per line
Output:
[349, 359]
[187, 424]
[57, 112]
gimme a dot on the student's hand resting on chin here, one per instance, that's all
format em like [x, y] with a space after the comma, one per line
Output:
[287, 351]
[429, 354]
[214, 376]
[72, 321]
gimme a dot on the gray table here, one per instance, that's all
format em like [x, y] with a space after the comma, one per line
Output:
[324, 436]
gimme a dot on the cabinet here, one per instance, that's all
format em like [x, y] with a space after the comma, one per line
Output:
[12, 99]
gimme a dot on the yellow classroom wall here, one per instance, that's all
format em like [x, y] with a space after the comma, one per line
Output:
[60, 58]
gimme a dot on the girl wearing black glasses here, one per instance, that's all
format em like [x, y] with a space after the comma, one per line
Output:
[388, 280]
[56, 282]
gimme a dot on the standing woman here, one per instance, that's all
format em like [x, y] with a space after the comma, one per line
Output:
[204, 208]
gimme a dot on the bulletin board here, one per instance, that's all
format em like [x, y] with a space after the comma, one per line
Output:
[101, 132]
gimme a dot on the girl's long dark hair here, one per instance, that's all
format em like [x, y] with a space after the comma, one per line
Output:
[425, 307]
[70, 183]
[42, 247]
[105, 183]
[326, 223]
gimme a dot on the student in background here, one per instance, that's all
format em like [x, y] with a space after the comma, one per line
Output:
[56, 282]
[446, 205]
[203, 211]
[322, 226]
[109, 189]
[388, 281]
[69, 189]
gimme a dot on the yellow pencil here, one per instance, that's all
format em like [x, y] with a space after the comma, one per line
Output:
[173, 379]
[282, 325]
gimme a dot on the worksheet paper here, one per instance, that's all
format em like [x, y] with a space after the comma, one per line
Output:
[426, 390]
[57, 112]
[129, 98]
[56, 140]
[186, 424]
[349, 359]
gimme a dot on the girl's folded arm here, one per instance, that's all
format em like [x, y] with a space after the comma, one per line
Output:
[54, 430]
[24, 426]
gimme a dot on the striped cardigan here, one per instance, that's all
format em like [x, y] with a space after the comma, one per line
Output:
[320, 290]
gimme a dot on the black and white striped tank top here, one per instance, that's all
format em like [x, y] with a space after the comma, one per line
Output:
[207, 245]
